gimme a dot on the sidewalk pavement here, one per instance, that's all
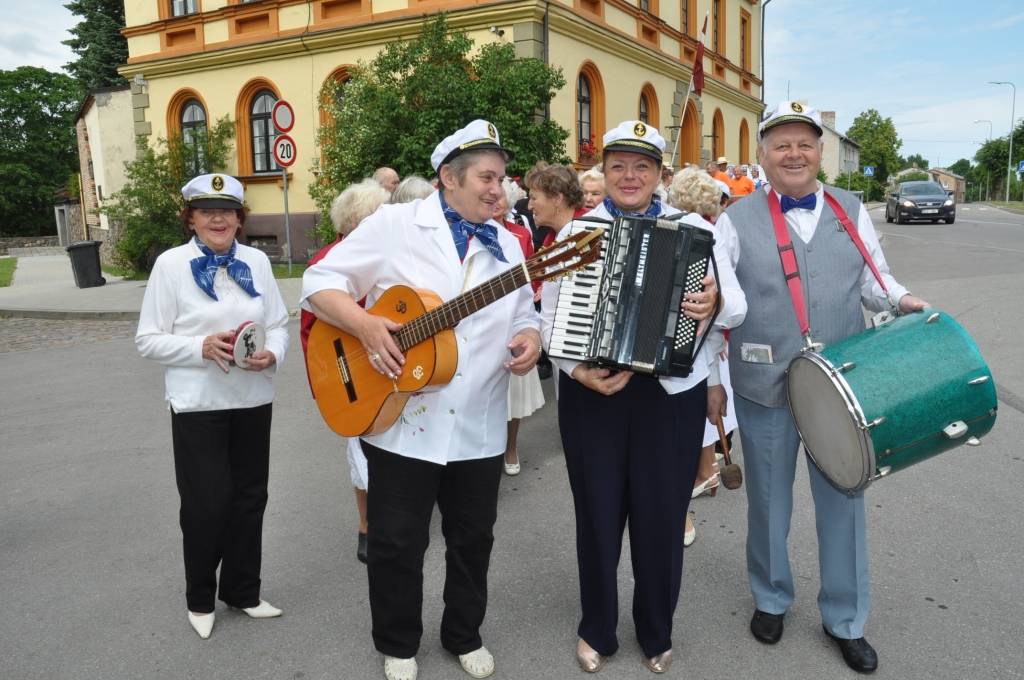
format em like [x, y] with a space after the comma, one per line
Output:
[44, 287]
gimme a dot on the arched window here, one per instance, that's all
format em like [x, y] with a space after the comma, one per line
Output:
[193, 137]
[262, 131]
[744, 143]
[589, 113]
[649, 105]
[332, 92]
[717, 134]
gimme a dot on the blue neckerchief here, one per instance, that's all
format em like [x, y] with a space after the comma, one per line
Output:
[462, 229]
[807, 202]
[653, 211]
[205, 268]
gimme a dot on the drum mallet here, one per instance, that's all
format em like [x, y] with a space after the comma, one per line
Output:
[732, 475]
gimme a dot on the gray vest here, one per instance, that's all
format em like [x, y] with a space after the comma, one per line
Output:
[830, 270]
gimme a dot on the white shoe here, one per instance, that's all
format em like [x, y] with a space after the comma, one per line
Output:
[709, 486]
[399, 669]
[690, 533]
[264, 610]
[202, 624]
[512, 469]
[479, 663]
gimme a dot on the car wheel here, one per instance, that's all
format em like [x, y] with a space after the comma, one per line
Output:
[897, 218]
[887, 218]
[950, 220]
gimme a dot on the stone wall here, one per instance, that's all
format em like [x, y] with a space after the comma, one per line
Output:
[27, 242]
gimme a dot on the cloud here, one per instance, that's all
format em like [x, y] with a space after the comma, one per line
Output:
[1007, 22]
[32, 36]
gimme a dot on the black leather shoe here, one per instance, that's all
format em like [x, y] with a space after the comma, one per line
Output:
[361, 550]
[858, 654]
[767, 628]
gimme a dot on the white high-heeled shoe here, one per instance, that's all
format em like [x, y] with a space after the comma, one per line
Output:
[709, 486]
[689, 534]
[264, 610]
[201, 624]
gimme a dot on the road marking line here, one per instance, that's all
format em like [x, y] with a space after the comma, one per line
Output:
[959, 244]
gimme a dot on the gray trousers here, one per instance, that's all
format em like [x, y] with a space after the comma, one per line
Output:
[770, 448]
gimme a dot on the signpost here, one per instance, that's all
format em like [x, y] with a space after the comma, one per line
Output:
[283, 117]
[869, 171]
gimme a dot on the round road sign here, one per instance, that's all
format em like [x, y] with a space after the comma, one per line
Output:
[283, 116]
[284, 150]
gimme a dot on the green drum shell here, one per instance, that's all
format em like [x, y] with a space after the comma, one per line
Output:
[918, 373]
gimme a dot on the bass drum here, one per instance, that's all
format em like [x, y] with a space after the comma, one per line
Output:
[892, 396]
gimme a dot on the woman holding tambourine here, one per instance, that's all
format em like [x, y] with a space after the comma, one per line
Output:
[213, 316]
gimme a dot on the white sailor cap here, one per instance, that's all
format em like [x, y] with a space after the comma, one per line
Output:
[724, 187]
[790, 112]
[213, 191]
[635, 136]
[477, 136]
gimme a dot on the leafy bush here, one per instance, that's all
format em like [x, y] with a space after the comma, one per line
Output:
[148, 205]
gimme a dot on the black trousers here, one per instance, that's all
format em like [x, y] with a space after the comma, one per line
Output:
[398, 513]
[631, 458]
[222, 461]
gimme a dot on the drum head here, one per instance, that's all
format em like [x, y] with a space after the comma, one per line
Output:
[249, 339]
[828, 419]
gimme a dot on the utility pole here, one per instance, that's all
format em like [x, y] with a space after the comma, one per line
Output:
[1013, 114]
[988, 173]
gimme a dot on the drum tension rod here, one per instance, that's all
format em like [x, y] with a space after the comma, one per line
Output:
[934, 317]
[978, 381]
[848, 366]
[877, 421]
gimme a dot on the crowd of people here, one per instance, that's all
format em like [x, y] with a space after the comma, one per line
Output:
[637, 448]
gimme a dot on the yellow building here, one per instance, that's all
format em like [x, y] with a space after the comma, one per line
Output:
[193, 61]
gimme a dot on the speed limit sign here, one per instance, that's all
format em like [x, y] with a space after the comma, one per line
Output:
[284, 150]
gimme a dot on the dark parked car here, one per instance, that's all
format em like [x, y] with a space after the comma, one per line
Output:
[920, 201]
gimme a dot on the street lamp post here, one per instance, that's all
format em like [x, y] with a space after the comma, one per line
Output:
[1013, 114]
[988, 172]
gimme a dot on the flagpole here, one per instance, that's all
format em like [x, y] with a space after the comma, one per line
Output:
[689, 89]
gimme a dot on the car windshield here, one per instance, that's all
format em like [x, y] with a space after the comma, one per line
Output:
[923, 189]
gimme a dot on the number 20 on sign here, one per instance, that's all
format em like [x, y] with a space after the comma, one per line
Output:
[284, 150]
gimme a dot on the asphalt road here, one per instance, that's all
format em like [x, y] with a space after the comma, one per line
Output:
[90, 559]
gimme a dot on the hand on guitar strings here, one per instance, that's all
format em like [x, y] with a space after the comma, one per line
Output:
[603, 380]
[375, 332]
[219, 348]
[525, 348]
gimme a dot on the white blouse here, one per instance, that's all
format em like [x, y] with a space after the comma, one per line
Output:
[177, 315]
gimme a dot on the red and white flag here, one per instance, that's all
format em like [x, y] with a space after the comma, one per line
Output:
[698, 61]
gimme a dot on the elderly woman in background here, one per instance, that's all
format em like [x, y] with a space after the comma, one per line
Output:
[351, 207]
[220, 412]
[592, 184]
[411, 188]
[524, 391]
[693, 190]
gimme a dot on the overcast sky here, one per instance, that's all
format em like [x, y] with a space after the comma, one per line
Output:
[923, 63]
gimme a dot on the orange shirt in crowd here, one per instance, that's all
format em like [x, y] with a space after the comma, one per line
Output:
[722, 177]
[741, 186]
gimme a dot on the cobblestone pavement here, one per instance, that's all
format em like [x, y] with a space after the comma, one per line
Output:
[25, 335]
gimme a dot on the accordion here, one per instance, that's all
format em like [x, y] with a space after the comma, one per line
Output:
[623, 310]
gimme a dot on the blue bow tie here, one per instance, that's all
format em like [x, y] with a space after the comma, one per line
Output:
[653, 210]
[463, 229]
[204, 269]
[807, 202]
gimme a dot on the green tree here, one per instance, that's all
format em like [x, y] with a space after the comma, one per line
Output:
[38, 153]
[879, 145]
[962, 167]
[992, 160]
[147, 207]
[914, 160]
[822, 177]
[97, 42]
[395, 109]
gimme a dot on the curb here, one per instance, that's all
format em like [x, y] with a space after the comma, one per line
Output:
[60, 314]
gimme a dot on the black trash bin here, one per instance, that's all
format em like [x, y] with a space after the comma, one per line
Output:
[85, 263]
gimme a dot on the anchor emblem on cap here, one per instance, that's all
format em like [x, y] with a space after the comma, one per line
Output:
[797, 108]
[217, 183]
[491, 131]
[640, 130]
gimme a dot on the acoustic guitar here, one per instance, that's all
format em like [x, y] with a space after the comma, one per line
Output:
[355, 399]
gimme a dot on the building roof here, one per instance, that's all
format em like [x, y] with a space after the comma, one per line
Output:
[839, 134]
[91, 97]
[944, 171]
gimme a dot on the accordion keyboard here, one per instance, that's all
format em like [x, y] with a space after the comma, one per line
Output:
[578, 302]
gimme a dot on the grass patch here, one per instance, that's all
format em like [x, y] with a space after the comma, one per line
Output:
[125, 273]
[7, 267]
[281, 271]
[1011, 206]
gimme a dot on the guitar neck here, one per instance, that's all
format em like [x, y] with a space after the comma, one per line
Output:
[449, 314]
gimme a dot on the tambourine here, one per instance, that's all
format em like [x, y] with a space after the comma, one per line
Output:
[250, 338]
